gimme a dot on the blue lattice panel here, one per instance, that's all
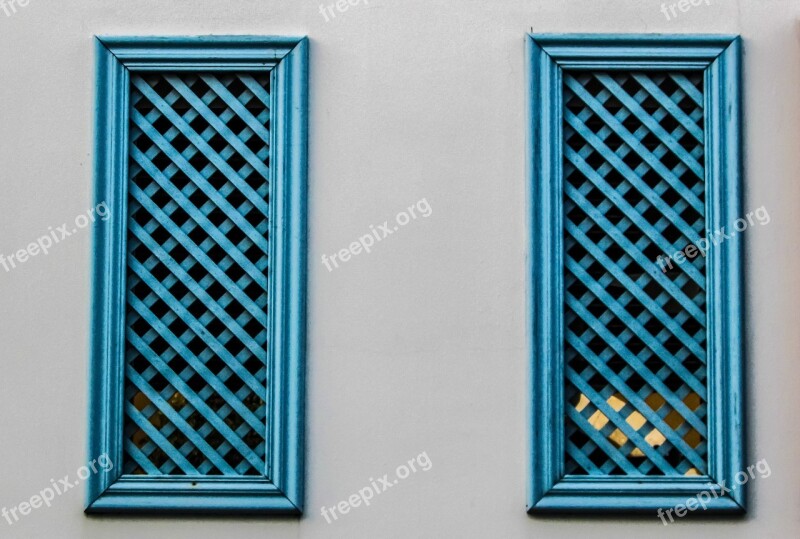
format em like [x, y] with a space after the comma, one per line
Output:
[635, 337]
[196, 348]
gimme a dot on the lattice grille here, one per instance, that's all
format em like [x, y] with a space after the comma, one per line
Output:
[635, 338]
[196, 387]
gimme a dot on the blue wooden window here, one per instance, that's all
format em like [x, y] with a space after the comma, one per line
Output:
[637, 382]
[199, 306]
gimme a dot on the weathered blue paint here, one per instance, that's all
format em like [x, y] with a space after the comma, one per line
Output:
[556, 62]
[279, 490]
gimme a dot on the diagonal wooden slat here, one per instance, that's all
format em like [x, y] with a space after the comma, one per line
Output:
[201, 144]
[259, 91]
[141, 458]
[635, 180]
[641, 406]
[668, 104]
[198, 328]
[688, 87]
[638, 329]
[198, 220]
[663, 136]
[638, 366]
[579, 456]
[230, 137]
[196, 251]
[632, 213]
[186, 167]
[159, 439]
[634, 142]
[195, 213]
[236, 106]
[200, 369]
[618, 421]
[637, 292]
[197, 289]
[175, 418]
[659, 276]
[664, 244]
[634, 336]
[601, 442]
[204, 409]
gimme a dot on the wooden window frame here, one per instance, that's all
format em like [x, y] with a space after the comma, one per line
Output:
[280, 489]
[719, 58]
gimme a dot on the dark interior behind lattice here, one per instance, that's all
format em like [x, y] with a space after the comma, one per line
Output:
[196, 350]
[609, 187]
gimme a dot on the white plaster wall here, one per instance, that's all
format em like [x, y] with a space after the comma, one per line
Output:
[421, 345]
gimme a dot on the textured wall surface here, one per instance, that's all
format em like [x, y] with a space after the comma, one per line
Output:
[422, 344]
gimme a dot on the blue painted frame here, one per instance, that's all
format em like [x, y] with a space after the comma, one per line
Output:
[719, 58]
[280, 490]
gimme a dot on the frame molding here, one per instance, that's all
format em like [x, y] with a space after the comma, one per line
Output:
[280, 490]
[719, 57]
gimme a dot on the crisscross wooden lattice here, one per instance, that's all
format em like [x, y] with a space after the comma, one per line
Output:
[196, 345]
[635, 337]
